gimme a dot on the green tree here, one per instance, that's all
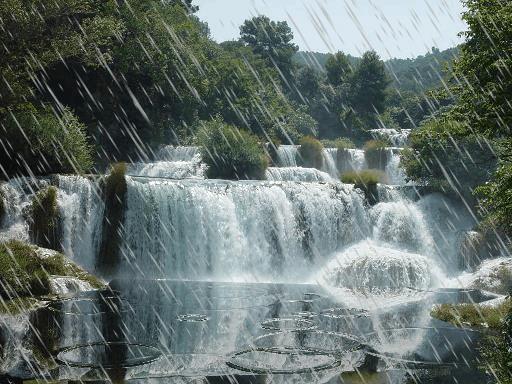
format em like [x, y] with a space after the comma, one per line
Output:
[368, 87]
[483, 68]
[271, 40]
[338, 69]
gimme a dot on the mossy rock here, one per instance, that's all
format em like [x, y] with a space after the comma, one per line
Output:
[26, 273]
[311, 152]
[473, 315]
[114, 192]
[45, 219]
[376, 154]
[367, 181]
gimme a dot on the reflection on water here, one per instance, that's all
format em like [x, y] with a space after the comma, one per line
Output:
[152, 331]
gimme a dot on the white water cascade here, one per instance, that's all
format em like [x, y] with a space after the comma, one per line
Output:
[81, 208]
[172, 163]
[252, 230]
[398, 138]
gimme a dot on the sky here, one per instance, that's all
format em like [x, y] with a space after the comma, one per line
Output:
[393, 28]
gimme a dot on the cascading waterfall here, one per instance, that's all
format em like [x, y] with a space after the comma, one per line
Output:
[287, 155]
[297, 174]
[395, 174]
[330, 157]
[172, 163]
[398, 138]
[81, 209]
[228, 230]
[13, 226]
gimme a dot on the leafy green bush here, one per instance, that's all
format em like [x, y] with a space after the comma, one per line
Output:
[114, 192]
[311, 152]
[375, 154]
[24, 273]
[44, 226]
[40, 142]
[340, 143]
[231, 153]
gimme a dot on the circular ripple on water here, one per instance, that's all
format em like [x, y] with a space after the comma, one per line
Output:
[282, 360]
[305, 314]
[193, 318]
[107, 355]
[291, 324]
[340, 313]
[332, 343]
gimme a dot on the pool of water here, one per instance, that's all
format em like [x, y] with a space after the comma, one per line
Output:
[160, 331]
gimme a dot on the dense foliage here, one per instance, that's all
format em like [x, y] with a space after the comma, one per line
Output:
[231, 153]
[460, 148]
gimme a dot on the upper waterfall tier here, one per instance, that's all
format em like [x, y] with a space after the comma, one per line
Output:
[398, 138]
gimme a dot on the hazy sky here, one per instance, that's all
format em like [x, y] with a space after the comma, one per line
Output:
[394, 28]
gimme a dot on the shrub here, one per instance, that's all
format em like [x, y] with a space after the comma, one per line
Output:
[114, 192]
[44, 226]
[47, 143]
[231, 153]
[367, 181]
[24, 273]
[473, 315]
[311, 152]
[340, 143]
[376, 154]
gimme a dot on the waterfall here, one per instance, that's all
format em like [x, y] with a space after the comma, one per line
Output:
[172, 163]
[370, 266]
[395, 174]
[251, 230]
[402, 223]
[13, 225]
[297, 174]
[351, 160]
[398, 138]
[287, 155]
[81, 209]
[330, 163]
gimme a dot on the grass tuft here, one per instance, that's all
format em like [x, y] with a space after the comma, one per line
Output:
[473, 315]
[340, 143]
[375, 153]
[311, 152]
